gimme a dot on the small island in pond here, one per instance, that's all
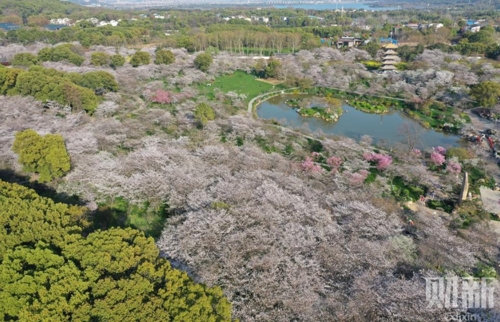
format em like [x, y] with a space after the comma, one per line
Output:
[315, 107]
[328, 114]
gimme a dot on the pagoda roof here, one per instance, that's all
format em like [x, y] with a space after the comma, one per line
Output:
[393, 57]
[388, 67]
[391, 46]
[390, 51]
[389, 62]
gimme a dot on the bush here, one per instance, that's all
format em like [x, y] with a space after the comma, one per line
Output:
[99, 59]
[204, 113]
[164, 56]
[140, 58]
[49, 84]
[44, 155]
[65, 52]
[24, 59]
[460, 153]
[372, 65]
[117, 61]
[203, 61]
[95, 80]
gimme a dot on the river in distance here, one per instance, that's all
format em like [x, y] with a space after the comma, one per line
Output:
[334, 6]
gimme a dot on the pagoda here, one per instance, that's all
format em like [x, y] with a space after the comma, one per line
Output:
[390, 57]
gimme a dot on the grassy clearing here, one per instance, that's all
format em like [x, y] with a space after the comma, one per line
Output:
[120, 213]
[238, 82]
[271, 81]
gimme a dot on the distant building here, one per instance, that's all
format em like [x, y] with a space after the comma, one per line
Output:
[388, 40]
[60, 21]
[53, 27]
[7, 26]
[349, 42]
[474, 28]
[413, 26]
[391, 57]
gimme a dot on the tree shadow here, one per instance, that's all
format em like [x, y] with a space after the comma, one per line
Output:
[112, 214]
[41, 189]
[121, 214]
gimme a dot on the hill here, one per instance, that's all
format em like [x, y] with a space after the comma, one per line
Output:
[27, 8]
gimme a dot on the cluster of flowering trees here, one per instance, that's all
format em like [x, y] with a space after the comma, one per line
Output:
[164, 97]
[438, 158]
[313, 163]
[309, 165]
[383, 161]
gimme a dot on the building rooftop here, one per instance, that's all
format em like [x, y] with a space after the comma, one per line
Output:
[8, 26]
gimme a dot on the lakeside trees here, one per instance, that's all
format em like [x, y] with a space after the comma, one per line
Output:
[486, 93]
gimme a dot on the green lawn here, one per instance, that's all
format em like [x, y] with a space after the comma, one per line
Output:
[238, 82]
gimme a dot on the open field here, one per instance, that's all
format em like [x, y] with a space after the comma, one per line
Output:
[238, 82]
[271, 81]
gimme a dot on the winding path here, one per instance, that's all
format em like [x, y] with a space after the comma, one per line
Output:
[250, 104]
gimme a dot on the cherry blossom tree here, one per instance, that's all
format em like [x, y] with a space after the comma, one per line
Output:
[453, 167]
[309, 165]
[437, 158]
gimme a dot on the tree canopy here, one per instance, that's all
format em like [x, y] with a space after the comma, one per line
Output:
[50, 271]
[203, 61]
[164, 56]
[117, 61]
[486, 93]
[140, 58]
[65, 52]
[25, 59]
[44, 155]
[99, 59]
[73, 89]
[204, 113]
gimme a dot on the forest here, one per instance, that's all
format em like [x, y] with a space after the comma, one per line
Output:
[138, 183]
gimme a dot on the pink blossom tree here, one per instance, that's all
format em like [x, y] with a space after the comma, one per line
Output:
[453, 167]
[437, 158]
[383, 161]
[162, 97]
[335, 163]
[357, 178]
[309, 165]
[440, 150]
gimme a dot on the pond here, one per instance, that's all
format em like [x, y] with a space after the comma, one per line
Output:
[383, 128]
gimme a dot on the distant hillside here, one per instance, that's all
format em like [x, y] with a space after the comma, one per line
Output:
[27, 8]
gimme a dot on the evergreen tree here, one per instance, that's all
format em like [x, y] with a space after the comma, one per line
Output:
[49, 271]
[203, 61]
[117, 61]
[44, 155]
[140, 58]
[165, 57]
[99, 59]
[204, 113]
